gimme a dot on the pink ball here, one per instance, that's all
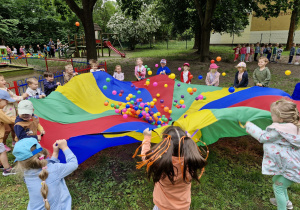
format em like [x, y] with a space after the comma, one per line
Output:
[147, 115]
[154, 84]
[117, 111]
[200, 97]
[114, 92]
[124, 110]
[183, 106]
[179, 68]
[125, 116]
[156, 65]
[142, 104]
[143, 112]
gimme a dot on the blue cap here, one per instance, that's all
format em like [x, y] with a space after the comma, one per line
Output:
[4, 95]
[22, 150]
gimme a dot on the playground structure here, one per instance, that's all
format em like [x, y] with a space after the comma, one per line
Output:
[78, 45]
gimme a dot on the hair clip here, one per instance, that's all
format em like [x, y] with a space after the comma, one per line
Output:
[42, 157]
[43, 182]
[45, 200]
[45, 167]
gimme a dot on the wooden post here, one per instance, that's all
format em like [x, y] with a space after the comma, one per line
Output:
[46, 63]
[101, 41]
[26, 60]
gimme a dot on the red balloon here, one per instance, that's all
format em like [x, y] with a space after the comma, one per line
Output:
[212, 61]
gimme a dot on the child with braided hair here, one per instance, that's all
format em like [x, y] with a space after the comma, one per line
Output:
[281, 149]
[44, 177]
[172, 164]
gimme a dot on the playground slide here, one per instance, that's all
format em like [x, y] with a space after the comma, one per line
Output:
[108, 44]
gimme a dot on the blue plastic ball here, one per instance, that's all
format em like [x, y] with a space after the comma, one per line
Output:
[127, 106]
[231, 89]
[200, 77]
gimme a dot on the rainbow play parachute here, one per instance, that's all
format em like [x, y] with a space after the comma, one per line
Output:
[95, 111]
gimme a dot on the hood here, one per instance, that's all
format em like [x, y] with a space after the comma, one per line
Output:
[288, 131]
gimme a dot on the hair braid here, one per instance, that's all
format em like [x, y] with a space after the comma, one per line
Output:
[43, 176]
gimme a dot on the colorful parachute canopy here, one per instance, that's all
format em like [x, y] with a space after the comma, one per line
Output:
[82, 111]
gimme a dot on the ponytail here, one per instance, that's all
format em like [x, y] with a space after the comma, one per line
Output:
[43, 176]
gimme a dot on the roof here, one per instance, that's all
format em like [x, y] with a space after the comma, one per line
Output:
[2, 47]
[96, 27]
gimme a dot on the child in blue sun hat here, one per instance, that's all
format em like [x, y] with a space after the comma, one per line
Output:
[44, 177]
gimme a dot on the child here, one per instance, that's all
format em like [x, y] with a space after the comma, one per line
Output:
[279, 51]
[163, 69]
[269, 52]
[262, 75]
[213, 76]
[262, 50]
[4, 119]
[241, 76]
[45, 50]
[140, 70]
[49, 84]
[38, 48]
[243, 53]
[14, 51]
[257, 50]
[52, 51]
[8, 50]
[94, 66]
[251, 53]
[274, 54]
[292, 53]
[281, 149]
[247, 52]
[10, 111]
[30, 50]
[69, 74]
[33, 90]
[44, 177]
[186, 75]
[118, 73]
[21, 50]
[48, 51]
[27, 124]
[236, 52]
[172, 168]
[297, 55]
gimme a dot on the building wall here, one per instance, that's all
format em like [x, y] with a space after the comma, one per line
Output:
[273, 30]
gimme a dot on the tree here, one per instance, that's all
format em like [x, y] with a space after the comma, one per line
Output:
[5, 24]
[103, 12]
[85, 14]
[131, 30]
[293, 24]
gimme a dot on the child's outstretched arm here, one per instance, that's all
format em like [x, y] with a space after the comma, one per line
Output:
[146, 142]
[261, 135]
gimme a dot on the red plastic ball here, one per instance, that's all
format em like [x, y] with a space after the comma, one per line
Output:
[212, 61]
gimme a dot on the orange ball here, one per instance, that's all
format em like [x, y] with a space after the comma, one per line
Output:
[77, 24]
[194, 89]
[105, 103]
[120, 103]
[166, 109]
[218, 58]
[120, 94]
[191, 77]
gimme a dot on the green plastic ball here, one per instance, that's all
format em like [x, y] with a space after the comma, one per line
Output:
[138, 92]
[132, 101]
[104, 87]
[146, 66]
[133, 96]
[112, 105]
[107, 79]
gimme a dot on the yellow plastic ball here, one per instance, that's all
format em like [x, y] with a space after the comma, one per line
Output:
[127, 98]
[151, 103]
[223, 74]
[172, 76]
[154, 99]
[146, 109]
[189, 90]
[130, 95]
[147, 83]
[154, 115]
[157, 95]
[288, 72]
[181, 101]
[149, 72]
[158, 113]
[170, 111]
[165, 85]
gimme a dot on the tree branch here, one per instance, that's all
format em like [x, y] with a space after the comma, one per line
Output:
[74, 7]
[200, 12]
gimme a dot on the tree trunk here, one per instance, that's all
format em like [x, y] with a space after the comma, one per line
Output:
[204, 43]
[197, 40]
[88, 26]
[292, 25]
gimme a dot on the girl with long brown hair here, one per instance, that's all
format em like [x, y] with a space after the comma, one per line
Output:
[44, 177]
[172, 164]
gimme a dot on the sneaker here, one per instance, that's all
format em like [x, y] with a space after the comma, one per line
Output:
[289, 204]
[9, 171]
[289, 63]
[7, 148]
[296, 63]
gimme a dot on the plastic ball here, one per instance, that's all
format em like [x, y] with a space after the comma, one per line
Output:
[112, 105]
[175, 101]
[146, 66]
[127, 98]
[134, 96]
[125, 116]
[218, 58]
[158, 113]
[157, 95]
[148, 69]
[121, 91]
[189, 90]
[130, 95]
[179, 68]
[191, 77]
[117, 111]
[150, 73]
[77, 24]
[132, 85]
[151, 103]
[212, 61]
[200, 77]
[158, 122]
[107, 79]
[114, 92]
[204, 97]
[197, 98]
[172, 76]
[223, 74]
[182, 96]
[287, 72]
[154, 84]
[148, 80]
[194, 89]
[147, 83]
[105, 103]
[165, 85]
[117, 106]
[154, 99]
[170, 111]
[181, 101]
[120, 94]
[156, 65]
[231, 89]
[178, 84]
[161, 101]
[104, 87]
[200, 97]
[185, 116]
[132, 101]
[183, 106]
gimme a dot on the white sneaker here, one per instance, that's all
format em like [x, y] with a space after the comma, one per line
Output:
[296, 63]
[289, 204]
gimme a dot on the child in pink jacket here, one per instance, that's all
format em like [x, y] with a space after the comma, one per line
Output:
[212, 77]
[243, 53]
[140, 70]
